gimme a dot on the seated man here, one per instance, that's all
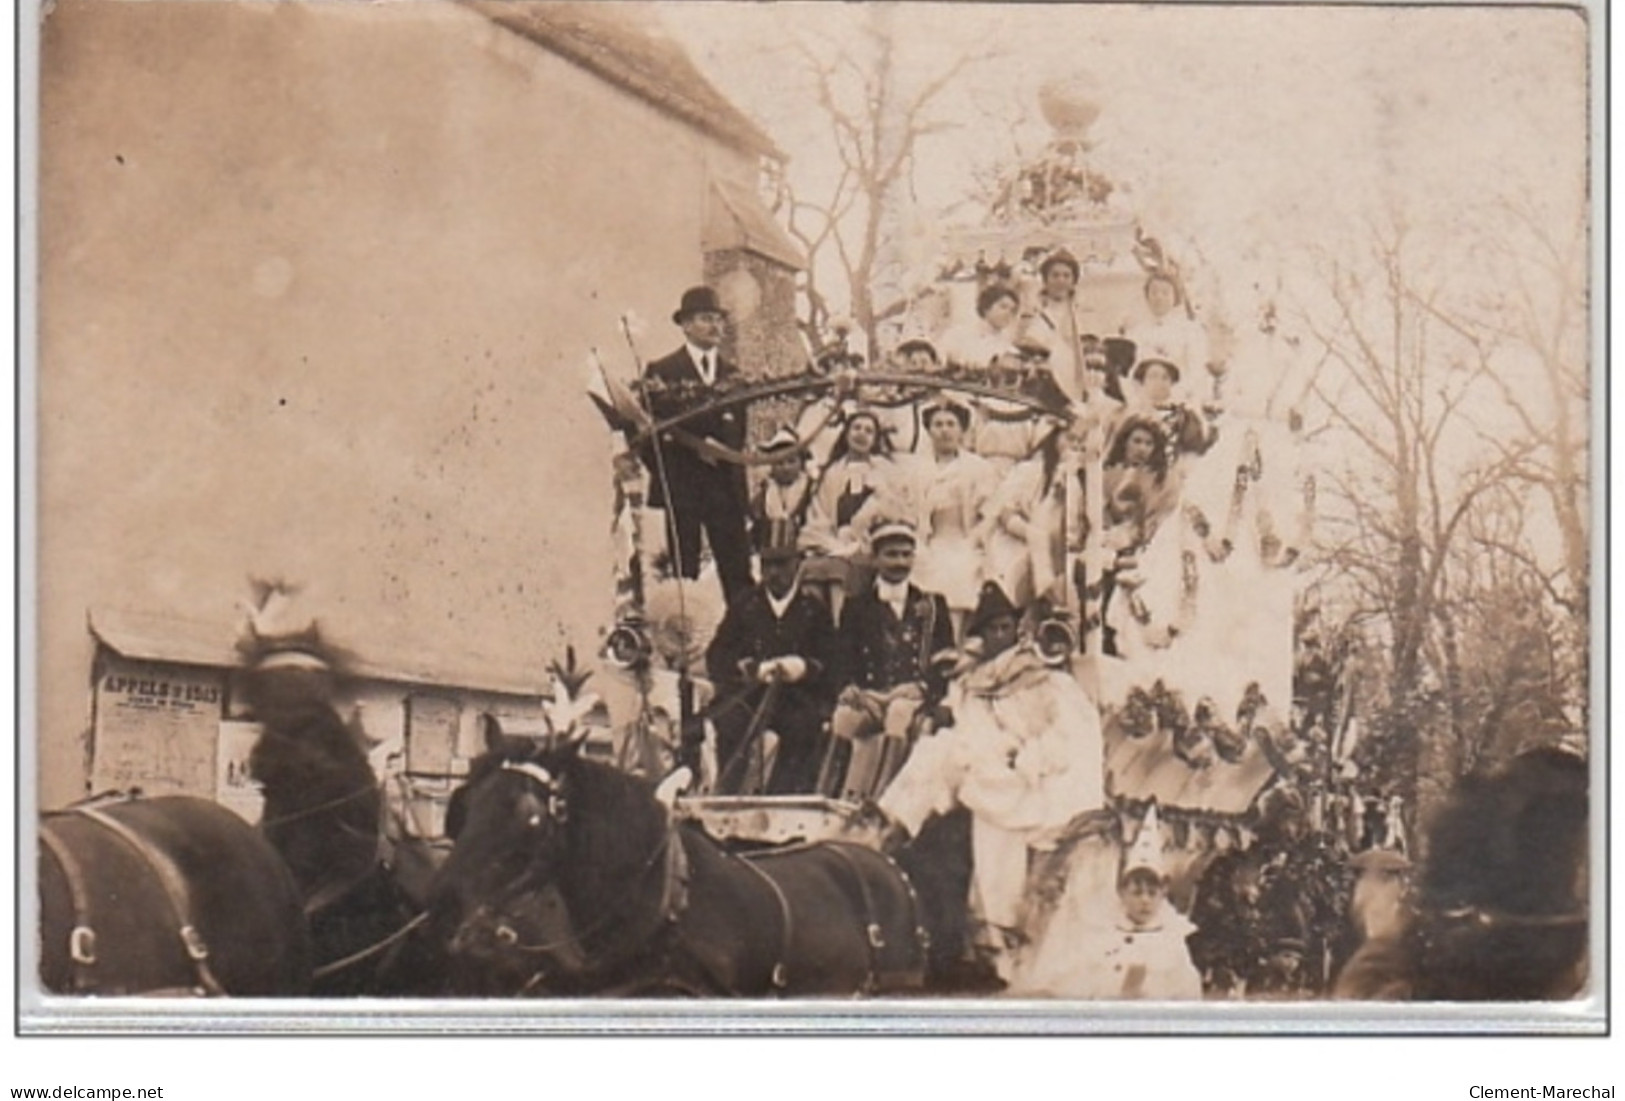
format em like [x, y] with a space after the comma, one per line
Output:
[888, 636]
[770, 661]
[1023, 753]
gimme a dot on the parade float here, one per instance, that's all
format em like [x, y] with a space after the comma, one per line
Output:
[1190, 653]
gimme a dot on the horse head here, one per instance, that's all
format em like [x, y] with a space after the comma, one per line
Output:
[1504, 897]
[547, 845]
[322, 799]
[497, 899]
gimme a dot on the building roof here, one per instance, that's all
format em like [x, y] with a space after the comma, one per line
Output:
[149, 636]
[624, 44]
[735, 218]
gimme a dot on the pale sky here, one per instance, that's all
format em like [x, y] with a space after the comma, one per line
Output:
[1250, 130]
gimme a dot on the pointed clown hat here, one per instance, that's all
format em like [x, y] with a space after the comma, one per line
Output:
[991, 604]
[1145, 854]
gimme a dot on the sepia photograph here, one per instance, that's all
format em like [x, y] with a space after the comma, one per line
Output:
[556, 516]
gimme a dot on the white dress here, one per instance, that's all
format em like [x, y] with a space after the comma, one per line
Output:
[847, 491]
[1023, 532]
[948, 499]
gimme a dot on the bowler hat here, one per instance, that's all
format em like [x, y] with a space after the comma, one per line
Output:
[698, 300]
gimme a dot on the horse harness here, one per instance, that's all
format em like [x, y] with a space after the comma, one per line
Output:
[82, 946]
[334, 891]
[664, 940]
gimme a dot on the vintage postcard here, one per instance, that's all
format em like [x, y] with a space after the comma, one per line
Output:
[1000, 517]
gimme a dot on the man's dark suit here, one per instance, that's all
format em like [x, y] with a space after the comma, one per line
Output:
[879, 651]
[751, 633]
[695, 493]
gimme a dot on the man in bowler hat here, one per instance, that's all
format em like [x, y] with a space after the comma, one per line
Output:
[698, 490]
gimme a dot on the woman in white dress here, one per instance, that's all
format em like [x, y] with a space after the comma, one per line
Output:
[978, 343]
[1023, 531]
[1169, 332]
[861, 467]
[948, 490]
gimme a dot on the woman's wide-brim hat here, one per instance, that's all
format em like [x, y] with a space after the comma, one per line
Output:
[698, 300]
[1155, 361]
[990, 605]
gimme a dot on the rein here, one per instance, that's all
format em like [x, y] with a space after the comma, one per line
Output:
[1479, 917]
[307, 812]
[354, 958]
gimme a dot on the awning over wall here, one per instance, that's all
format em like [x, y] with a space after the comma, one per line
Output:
[736, 219]
[148, 636]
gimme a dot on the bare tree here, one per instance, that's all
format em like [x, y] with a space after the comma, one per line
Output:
[1404, 381]
[878, 111]
[1532, 340]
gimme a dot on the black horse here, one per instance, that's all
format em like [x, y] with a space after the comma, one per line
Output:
[1504, 896]
[1501, 908]
[570, 877]
[323, 814]
[171, 895]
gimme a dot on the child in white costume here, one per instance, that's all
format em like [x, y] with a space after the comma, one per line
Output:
[1140, 954]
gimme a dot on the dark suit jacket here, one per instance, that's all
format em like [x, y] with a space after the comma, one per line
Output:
[875, 649]
[750, 631]
[690, 476]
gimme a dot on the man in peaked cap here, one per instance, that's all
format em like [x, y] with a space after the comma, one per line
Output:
[1023, 754]
[777, 640]
[699, 491]
[889, 635]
